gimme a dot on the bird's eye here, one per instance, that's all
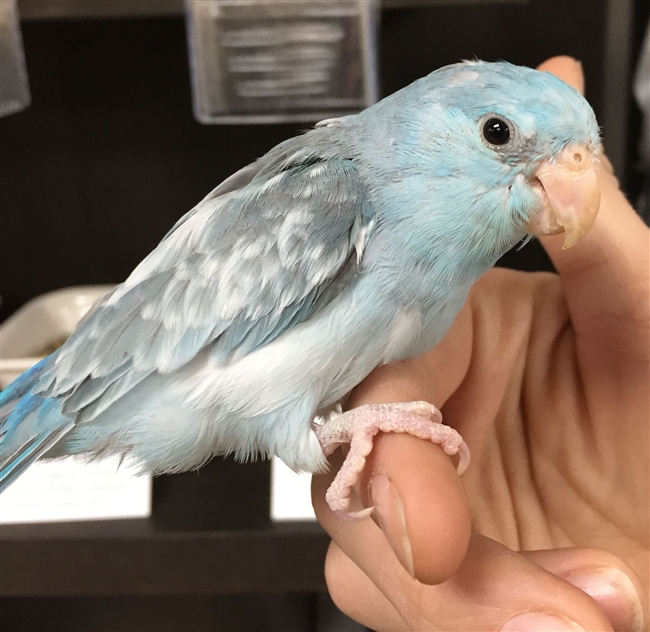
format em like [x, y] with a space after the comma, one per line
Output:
[496, 131]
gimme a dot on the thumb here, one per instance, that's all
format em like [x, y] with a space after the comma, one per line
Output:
[603, 576]
[604, 275]
[566, 68]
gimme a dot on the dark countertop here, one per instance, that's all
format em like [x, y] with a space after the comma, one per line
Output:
[133, 557]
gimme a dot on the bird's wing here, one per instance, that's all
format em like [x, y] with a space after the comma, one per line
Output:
[248, 263]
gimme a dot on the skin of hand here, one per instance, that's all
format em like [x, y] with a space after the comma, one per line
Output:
[547, 379]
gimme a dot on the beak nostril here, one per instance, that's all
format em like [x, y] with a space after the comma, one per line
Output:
[577, 157]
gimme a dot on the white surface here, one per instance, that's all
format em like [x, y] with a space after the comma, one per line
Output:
[290, 493]
[70, 489]
[11, 368]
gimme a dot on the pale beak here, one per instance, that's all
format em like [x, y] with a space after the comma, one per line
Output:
[570, 190]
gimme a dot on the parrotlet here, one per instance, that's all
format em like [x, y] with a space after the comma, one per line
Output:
[350, 246]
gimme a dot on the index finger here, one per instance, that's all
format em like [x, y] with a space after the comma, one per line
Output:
[420, 501]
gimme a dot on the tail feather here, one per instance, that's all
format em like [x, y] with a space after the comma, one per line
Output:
[29, 425]
[20, 460]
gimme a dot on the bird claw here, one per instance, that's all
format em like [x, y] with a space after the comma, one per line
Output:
[358, 427]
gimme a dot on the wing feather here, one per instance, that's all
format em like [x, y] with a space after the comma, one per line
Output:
[260, 254]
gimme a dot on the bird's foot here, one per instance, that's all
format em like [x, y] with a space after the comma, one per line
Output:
[358, 427]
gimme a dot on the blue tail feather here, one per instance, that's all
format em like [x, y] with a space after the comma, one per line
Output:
[28, 453]
[11, 395]
[29, 424]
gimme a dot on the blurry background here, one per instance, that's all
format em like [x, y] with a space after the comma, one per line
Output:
[96, 170]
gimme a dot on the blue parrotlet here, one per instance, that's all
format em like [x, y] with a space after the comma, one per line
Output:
[348, 247]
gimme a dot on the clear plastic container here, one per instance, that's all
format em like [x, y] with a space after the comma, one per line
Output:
[14, 88]
[268, 61]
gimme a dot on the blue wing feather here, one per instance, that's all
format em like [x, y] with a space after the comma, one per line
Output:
[242, 267]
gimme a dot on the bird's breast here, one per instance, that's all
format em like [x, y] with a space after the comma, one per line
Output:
[403, 335]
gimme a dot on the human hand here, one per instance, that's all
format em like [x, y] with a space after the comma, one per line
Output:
[546, 378]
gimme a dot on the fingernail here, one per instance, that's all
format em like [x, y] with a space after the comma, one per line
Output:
[615, 594]
[538, 622]
[389, 515]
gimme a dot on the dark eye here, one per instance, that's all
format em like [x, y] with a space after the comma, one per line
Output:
[496, 131]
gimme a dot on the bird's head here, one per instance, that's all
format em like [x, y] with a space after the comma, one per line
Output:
[529, 141]
[545, 134]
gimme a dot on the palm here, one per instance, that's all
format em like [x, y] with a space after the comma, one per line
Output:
[557, 429]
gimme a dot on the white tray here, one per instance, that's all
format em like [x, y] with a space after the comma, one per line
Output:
[41, 322]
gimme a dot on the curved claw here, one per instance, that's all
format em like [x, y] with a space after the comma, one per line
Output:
[355, 516]
[463, 458]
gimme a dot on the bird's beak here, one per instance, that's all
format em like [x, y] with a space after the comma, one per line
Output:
[570, 190]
